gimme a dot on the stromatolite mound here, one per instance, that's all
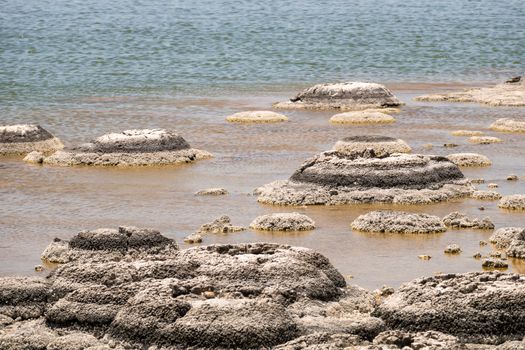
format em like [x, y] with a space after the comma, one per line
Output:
[257, 117]
[283, 222]
[130, 148]
[362, 117]
[343, 96]
[123, 243]
[459, 220]
[507, 94]
[469, 159]
[508, 125]
[503, 236]
[516, 245]
[476, 307]
[380, 145]
[339, 178]
[513, 202]
[486, 195]
[397, 222]
[22, 298]
[23, 139]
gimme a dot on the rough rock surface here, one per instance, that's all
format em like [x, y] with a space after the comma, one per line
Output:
[257, 117]
[508, 94]
[469, 159]
[219, 225]
[130, 148]
[494, 263]
[516, 246]
[337, 178]
[23, 139]
[484, 140]
[362, 117]
[452, 249]
[503, 236]
[398, 222]
[343, 96]
[212, 192]
[508, 125]
[467, 133]
[477, 307]
[459, 220]
[283, 222]
[486, 195]
[513, 202]
[381, 146]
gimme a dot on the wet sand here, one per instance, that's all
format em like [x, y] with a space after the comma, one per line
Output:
[40, 203]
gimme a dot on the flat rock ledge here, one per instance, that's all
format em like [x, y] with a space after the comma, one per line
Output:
[283, 222]
[332, 178]
[362, 117]
[459, 221]
[257, 117]
[513, 202]
[130, 148]
[477, 307]
[508, 125]
[466, 133]
[23, 139]
[381, 146]
[484, 140]
[398, 222]
[507, 94]
[342, 96]
[469, 160]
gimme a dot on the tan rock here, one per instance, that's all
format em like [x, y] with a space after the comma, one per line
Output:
[257, 117]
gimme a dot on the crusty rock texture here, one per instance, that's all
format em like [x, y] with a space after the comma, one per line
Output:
[257, 117]
[484, 140]
[219, 225]
[478, 307]
[486, 195]
[23, 139]
[398, 222]
[459, 220]
[513, 202]
[343, 96]
[503, 236]
[508, 125]
[362, 117]
[469, 160]
[283, 222]
[516, 245]
[212, 192]
[380, 145]
[339, 178]
[507, 94]
[466, 133]
[130, 148]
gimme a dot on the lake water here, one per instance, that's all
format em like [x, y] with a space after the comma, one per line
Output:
[82, 69]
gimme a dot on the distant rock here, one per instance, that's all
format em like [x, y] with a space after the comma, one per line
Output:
[398, 222]
[343, 96]
[362, 117]
[467, 133]
[23, 139]
[516, 246]
[486, 195]
[459, 220]
[257, 117]
[212, 192]
[508, 125]
[484, 140]
[469, 159]
[512, 177]
[130, 148]
[283, 222]
[452, 249]
[219, 225]
[508, 94]
[513, 202]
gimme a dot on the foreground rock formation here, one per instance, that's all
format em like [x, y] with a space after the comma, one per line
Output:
[508, 125]
[130, 148]
[397, 222]
[23, 139]
[257, 117]
[353, 173]
[342, 96]
[283, 222]
[507, 94]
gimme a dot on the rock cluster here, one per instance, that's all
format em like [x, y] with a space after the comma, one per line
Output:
[283, 222]
[397, 222]
[507, 94]
[508, 125]
[257, 117]
[469, 159]
[130, 148]
[23, 139]
[362, 117]
[459, 220]
[353, 173]
[343, 96]
[513, 202]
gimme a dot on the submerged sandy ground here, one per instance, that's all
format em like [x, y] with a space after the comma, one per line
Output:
[40, 203]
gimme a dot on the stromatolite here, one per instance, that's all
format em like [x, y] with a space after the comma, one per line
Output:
[23, 139]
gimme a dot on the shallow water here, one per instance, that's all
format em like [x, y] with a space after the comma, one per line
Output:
[40, 203]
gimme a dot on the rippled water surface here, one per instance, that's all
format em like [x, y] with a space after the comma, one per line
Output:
[82, 69]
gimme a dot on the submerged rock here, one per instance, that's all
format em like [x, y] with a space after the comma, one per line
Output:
[494, 263]
[362, 117]
[358, 176]
[503, 236]
[130, 148]
[469, 159]
[478, 307]
[283, 222]
[452, 249]
[508, 94]
[484, 140]
[24, 139]
[513, 202]
[459, 220]
[467, 133]
[343, 96]
[486, 195]
[378, 146]
[397, 222]
[212, 192]
[257, 117]
[508, 125]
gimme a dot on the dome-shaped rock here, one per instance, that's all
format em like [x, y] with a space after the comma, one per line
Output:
[381, 145]
[513, 202]
[283, 222]
[257, 117]
[503, 236]
[362, 117]
[484, 140]
[467, 133]
[23, 139]
[397, 222]
[469, 159]
[508, 125]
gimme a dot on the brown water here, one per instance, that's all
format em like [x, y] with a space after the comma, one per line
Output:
[40, 203]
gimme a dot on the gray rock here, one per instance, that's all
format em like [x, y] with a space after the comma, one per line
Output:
[322, 341]
[283, 222]
[397, 222]
[494, 263]
[459, 220]
[23, 297]
[503, 236]
[429, 340]
[477, 307]
[343, 96]
[23, 139]
[212, 192]
[516, 247]
[381, 146]
[486, 195]
[513, 202]
[469, 160]
[219, 225]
